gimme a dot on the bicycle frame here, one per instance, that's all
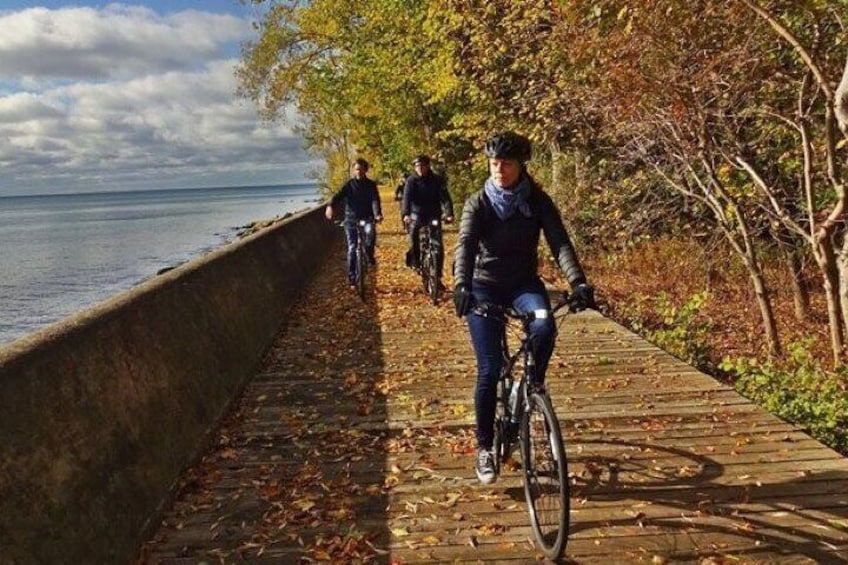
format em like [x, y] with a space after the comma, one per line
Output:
[429, 251]
[361, 256]
[522, 404]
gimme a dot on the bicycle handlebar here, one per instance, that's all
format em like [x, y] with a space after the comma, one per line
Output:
[490, 309]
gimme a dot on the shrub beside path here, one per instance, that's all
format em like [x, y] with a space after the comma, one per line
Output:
[354, 443]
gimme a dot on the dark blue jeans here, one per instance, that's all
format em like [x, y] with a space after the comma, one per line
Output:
[486, 338]
[353, 239]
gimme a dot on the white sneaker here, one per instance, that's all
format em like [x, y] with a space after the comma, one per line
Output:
[485, 467]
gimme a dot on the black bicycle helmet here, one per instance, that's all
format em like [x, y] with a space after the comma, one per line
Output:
[509, 145]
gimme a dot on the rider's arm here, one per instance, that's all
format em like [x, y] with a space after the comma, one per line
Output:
[335, 200]
[559, 241]
[339, 195]
[375, 202]
[468, 241]
[407, 198]
[447, 202]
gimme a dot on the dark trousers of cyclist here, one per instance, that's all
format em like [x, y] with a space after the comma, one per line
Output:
[352, 240]
[486, 337]
[414, 253]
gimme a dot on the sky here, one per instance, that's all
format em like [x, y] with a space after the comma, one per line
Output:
[99, 96]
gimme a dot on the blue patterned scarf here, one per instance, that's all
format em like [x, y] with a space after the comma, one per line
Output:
[506, 202]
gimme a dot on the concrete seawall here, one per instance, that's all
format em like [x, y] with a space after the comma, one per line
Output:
[100, 412]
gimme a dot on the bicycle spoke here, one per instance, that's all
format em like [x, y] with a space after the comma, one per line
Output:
[545, 475]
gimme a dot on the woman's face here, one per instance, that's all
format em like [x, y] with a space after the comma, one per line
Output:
[505, 172]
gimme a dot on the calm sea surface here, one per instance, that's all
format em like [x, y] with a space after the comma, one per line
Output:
[63, 253]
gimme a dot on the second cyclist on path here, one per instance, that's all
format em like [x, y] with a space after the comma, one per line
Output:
[425, 198]
[362, 202]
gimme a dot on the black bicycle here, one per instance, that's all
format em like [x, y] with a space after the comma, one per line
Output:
[525, 416]
[361, 261]
[430, 254]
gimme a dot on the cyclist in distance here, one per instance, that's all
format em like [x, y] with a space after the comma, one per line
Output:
[401, 186]
[362, 202]
[425, 198]
[496, 261]
[399, 190]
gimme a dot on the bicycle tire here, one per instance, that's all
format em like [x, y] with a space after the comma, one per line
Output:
[361, 266]
[424, 271]
[545, 475]
[501, 419]
[432, 266]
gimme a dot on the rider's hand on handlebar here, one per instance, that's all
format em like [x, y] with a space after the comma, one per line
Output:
[378, 218]
[448, 219]
[584, 297]
[328, 212]
[462, 299]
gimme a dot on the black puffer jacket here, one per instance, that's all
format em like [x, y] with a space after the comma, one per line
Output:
[505, 252]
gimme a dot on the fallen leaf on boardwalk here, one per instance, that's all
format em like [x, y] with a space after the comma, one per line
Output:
[492, 529]
[451, 500]
[400, 532]
[472, 541]
[745, 527]
[432, 540]
[228, 454]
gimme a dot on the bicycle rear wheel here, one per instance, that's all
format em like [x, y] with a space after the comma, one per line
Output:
[545, 475]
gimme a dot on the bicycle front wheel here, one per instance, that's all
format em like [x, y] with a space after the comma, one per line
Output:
[433, 278]
[361, 266]
[545, 475]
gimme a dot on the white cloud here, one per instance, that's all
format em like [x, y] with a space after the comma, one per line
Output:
[122, 96]
[116, 42]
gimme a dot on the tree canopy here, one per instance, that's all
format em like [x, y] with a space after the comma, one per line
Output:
[674, 115]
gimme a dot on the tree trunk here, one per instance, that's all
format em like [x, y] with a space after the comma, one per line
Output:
[842, 270]
[830, 277]
[840, 105]
[764, 303]
[767, 314]
[800, 288]
[793, 254]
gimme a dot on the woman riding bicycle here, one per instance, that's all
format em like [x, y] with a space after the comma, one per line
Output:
[496, 262]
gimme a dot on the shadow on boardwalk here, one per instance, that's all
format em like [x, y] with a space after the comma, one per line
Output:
[292, 465]
[354, 444]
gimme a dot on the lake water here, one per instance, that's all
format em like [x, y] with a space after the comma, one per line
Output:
[63, 253]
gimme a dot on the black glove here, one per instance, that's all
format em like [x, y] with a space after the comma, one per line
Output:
[584, 297]
[462, 299]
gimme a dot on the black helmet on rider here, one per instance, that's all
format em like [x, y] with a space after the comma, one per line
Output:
[509, 145]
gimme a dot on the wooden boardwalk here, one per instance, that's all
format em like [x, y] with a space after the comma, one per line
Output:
[354, 443]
